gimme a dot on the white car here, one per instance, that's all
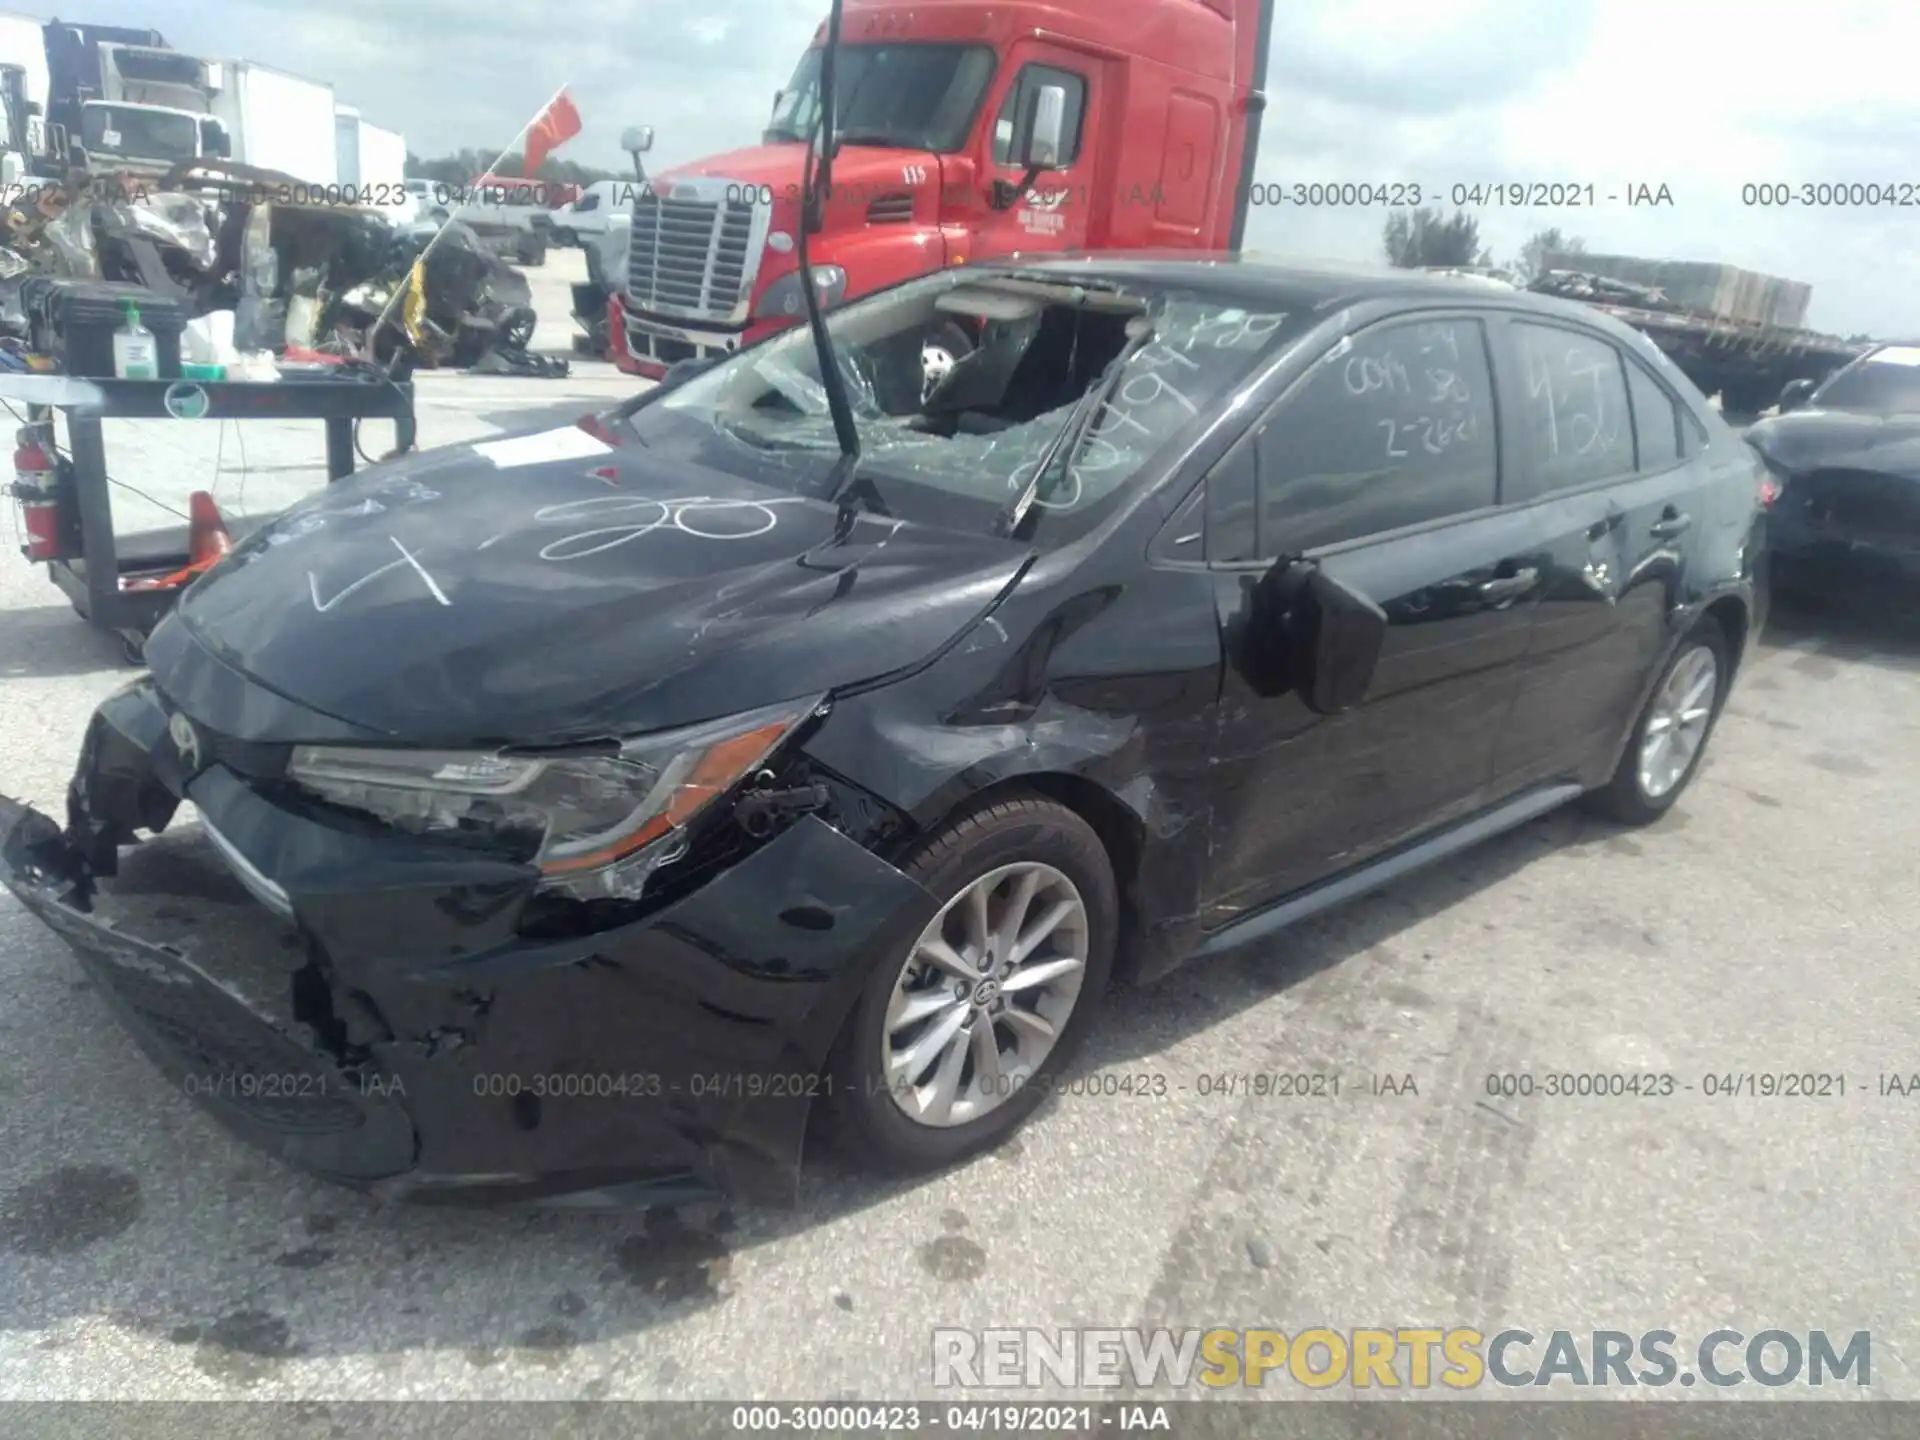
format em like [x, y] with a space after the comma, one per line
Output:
[604, 203]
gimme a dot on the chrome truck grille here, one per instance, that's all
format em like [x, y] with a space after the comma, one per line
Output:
[694, 250]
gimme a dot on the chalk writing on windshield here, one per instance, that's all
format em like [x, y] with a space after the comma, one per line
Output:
[1197, 349]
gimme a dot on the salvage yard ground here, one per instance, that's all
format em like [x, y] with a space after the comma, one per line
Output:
[1766, 925]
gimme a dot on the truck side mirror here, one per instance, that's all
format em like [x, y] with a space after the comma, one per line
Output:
[637, 139]
[1046, 130]
[1795, 394]
[33, 108]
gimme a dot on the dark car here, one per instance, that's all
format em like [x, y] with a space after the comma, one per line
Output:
[584, 813]
[1846, 460]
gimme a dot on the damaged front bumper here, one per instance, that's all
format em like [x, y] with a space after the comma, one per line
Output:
[364, 1006]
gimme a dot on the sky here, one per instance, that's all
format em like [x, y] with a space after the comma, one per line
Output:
[1701, 96]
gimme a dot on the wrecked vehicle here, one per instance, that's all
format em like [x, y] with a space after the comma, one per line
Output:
[310, 274]
[578, 813]
[1846, 457]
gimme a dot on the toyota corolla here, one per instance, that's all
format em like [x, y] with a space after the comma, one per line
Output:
[586, 813]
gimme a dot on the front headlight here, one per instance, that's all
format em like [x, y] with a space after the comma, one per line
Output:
[596, 825]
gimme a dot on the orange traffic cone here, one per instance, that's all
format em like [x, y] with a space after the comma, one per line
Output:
[207, 537]
[208, 542]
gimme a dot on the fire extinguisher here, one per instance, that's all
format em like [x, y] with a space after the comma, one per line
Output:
[36, 485]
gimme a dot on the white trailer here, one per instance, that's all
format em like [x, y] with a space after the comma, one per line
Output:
[383, 162]
[276, 120]
[23, 42]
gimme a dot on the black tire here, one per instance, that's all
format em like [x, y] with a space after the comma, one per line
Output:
[865, 1122]
[1624, 799]
[533, 250]
[564, 237]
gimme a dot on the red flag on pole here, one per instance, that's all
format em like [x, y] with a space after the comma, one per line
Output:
[551, 129]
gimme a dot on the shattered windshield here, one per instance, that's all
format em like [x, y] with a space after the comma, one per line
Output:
[142, 134]
[909, 97]
[1887, 382]
[956, 438]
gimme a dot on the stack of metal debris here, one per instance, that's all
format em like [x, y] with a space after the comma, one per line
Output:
[313, 279]
[1602, 290]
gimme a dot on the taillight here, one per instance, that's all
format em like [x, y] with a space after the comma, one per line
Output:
[36, 484]
[1768, 492]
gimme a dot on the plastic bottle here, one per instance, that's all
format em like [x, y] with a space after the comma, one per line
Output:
[135, 356]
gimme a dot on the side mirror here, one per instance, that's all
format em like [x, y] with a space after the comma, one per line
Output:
[1796, 394]
[1046, 130]
[637, 139]
[1342, 633]
[1312, 634]
[33, 108]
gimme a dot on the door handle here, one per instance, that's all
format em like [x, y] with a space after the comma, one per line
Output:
[1669, 525]
[1600, 529]
[1507, 586]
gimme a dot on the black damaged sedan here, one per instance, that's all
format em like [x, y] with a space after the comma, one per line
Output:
[583, 816]
[1846, 458]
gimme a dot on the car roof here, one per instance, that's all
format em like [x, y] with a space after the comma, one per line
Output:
[1296, 284]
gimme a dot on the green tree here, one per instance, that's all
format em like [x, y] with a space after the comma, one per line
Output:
[1532, 263]
[1418, 238]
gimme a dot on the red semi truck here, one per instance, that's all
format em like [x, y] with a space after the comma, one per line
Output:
[1153, 108]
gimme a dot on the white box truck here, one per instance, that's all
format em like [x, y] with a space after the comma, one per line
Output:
[23, 42]
[372, 162]
[276, 120]
[383, 159]
[23, 49]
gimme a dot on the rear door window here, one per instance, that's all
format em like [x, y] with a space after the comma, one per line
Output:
[1656, 420]
[1574, 424]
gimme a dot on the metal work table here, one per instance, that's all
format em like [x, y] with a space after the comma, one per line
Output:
[93, 582]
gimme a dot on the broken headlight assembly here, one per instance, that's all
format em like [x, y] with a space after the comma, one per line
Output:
[596, 824]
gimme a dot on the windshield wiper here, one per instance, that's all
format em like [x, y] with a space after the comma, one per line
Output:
[1072, 435]
[816, 176]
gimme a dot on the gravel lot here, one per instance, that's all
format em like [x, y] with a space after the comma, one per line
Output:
[1765, 925]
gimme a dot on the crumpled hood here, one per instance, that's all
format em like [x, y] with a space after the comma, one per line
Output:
[1840, 440]
[575, 591]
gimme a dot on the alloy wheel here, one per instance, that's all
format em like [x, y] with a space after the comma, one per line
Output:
[1677, 723]
[985, 994]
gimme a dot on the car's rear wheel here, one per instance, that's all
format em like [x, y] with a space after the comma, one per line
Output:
[952, 1045]
[1670, 739]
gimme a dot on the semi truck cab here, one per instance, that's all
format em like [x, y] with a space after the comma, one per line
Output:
[966, 130]
[147, 139]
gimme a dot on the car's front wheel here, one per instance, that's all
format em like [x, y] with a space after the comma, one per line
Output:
[1670, 738]
[952, 1045]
